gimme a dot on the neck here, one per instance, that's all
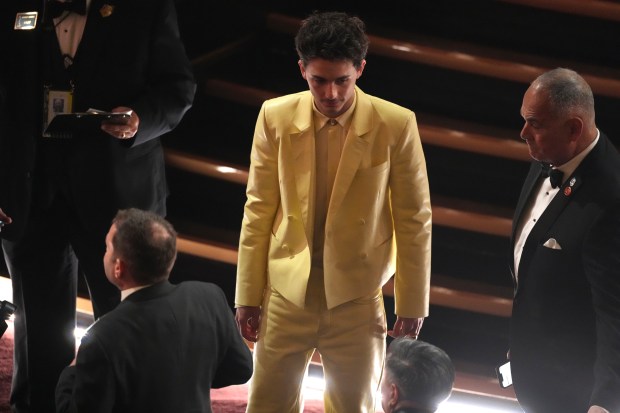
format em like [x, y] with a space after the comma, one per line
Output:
[410, 407]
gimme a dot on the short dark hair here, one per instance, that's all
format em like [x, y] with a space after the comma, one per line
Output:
[332, 36]
[146, 242]
[422, 372]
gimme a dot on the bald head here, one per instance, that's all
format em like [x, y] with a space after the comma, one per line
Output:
[558, 109]
[568, 94]
[146, 242]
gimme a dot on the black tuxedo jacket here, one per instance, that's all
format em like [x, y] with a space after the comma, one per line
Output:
[133, 57]
[565, 326]
[161, 350]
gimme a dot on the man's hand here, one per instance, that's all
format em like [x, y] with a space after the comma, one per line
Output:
[248, 320]
[125, 129]
[4, 218]
[409, 327]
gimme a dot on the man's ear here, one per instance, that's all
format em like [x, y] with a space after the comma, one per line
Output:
[360, 70]
[393, 396]
[302, 68]
[119, 269]
[576, 127]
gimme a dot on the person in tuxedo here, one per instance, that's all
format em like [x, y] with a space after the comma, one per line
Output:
[417, 377]
[337, 202]
[165, 346]
[58, 194]
[565, 325]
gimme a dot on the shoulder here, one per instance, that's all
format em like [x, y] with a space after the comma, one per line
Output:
[378, 112]
[199, 290]
[382, 106]
[602, 167]
[199, 286]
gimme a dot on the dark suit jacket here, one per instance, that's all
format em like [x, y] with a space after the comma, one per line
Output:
[565, 327]
[161, 350]
[134, 58]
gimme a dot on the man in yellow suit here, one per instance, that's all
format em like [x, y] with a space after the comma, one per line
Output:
[337, 203]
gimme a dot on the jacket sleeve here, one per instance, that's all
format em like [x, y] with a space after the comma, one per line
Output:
[263, 198]
[236, 366]
[411, 211]
[171, 84]
[602, 266]
[89, 385]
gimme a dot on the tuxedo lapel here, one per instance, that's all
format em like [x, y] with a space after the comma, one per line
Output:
[92, 38]
[529, 185]
[568, 191]
[570, 188]
[557, 205]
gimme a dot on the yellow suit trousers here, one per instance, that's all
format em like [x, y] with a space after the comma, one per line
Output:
[350, 339]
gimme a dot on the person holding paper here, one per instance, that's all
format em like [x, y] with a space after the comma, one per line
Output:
[58, 196]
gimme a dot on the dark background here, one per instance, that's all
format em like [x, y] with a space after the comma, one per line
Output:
[233, 41]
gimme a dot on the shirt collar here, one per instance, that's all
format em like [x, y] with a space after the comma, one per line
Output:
[126, 293]
[320, 120]
[569, 167]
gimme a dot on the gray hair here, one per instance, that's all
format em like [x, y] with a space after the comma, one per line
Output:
[422, 372]
[568, 92]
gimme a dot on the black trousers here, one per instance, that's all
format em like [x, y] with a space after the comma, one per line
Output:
[44, 267]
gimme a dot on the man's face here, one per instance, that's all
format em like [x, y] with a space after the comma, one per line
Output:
[109, 258]
[332, 84]
[548, 136]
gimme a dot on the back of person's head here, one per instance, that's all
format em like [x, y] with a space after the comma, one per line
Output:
[568, 93]
[422, 374]
[146, 242]
[332, 36]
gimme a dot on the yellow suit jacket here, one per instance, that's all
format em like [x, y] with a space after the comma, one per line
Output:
[379, 216]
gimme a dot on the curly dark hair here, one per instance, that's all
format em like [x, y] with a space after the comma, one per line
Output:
[332, 36]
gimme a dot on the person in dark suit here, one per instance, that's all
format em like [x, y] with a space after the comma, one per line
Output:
[165, 346]
[565, 325]
[417, 377]
[59, 195]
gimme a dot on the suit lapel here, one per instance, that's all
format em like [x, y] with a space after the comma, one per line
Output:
[302, 160]
[357, 143]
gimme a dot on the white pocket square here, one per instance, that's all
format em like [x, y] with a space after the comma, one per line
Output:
[553, 244]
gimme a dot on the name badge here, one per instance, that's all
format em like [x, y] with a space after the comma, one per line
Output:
[26, 21]
[56, 102]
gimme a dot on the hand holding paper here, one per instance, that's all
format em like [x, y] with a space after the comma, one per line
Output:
[122, 128]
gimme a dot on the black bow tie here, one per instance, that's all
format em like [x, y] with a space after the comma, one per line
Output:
[555, 175]
[56, 8]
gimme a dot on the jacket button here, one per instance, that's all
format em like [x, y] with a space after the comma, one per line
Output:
[362, 221]
[291, 217]
[363, 255]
